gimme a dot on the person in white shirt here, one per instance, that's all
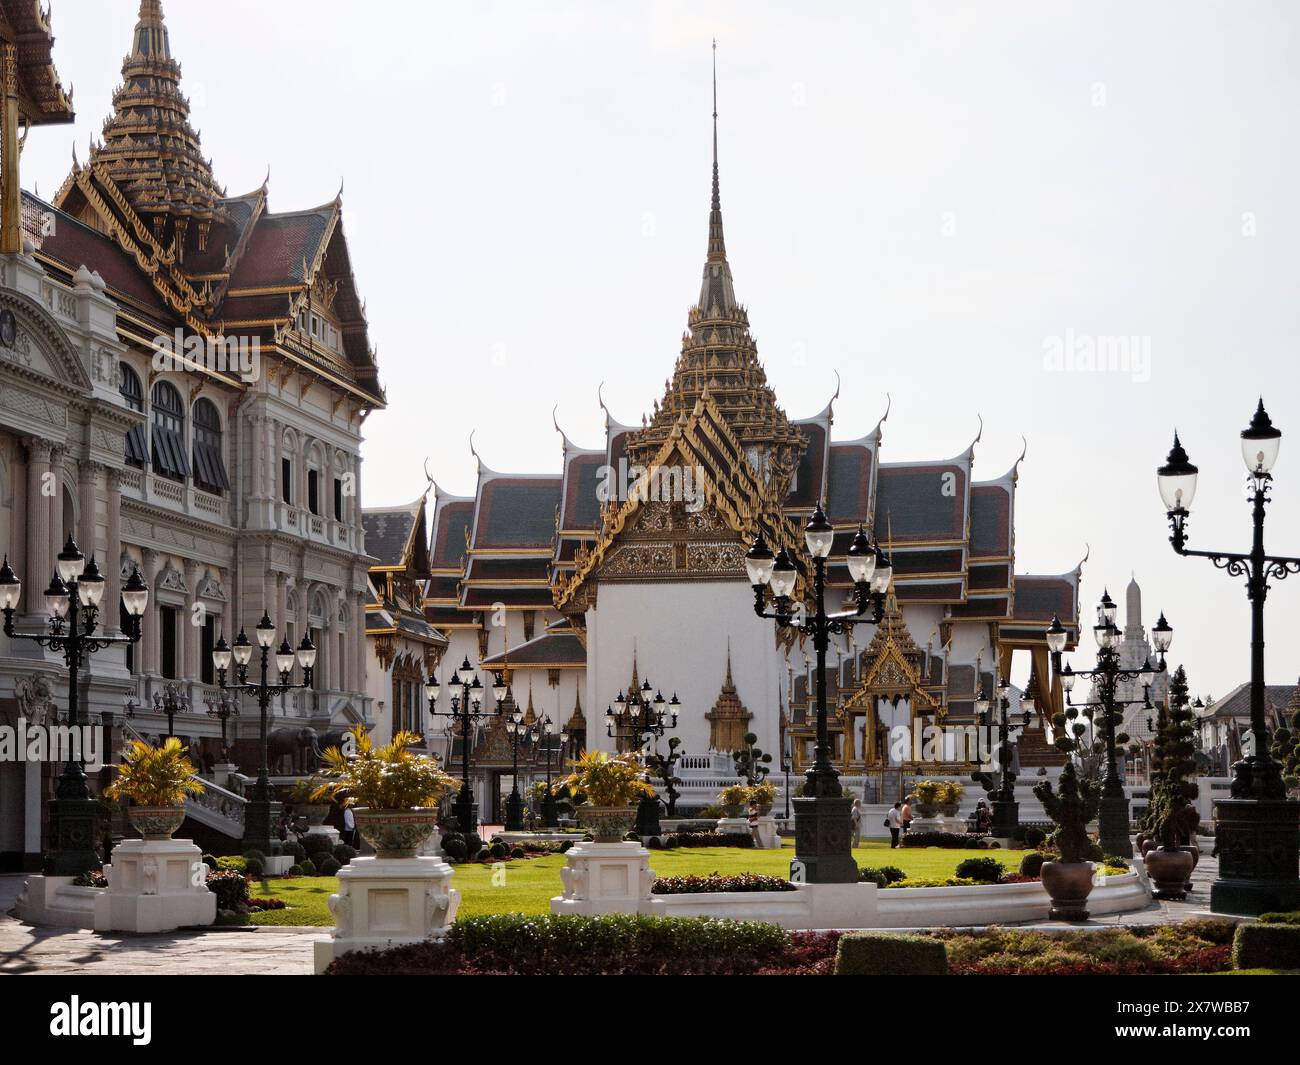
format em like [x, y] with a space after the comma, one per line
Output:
[855, 815]
[894, 822]
[349, 827]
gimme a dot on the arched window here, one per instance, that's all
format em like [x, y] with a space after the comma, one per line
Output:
[132, 392]
[169, 455]
[209, 467]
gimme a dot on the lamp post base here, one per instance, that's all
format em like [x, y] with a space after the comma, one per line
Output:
[1113, 822]
[464, 811]
[1006, 819]
[514, 813]
[823, 836]
[261, 818]
[550, 814]
[1259, 854]
[73, 831]
[647, 818]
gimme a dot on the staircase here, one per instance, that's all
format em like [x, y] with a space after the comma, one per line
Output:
[1035, 751]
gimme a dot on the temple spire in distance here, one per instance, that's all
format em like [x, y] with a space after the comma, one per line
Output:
[717, 246]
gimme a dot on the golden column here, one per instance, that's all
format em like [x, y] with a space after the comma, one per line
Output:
[11, 239]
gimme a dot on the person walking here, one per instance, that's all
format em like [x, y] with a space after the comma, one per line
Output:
[753, 823]
[906, 813]
[855, 815]
[894, 822]
[350, 828]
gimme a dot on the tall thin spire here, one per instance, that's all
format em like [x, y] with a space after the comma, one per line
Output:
[717, 246]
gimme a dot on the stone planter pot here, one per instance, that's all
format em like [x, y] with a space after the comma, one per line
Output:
[764, 809]
[733, 809]
[1069, 884]
[1149, 845]
[1195, 852]
[927, 810]
[1140, 839]
[949, 809]
[396, 833]
[314, 812]
[607, 824]
[156, 822]
[1169, 871]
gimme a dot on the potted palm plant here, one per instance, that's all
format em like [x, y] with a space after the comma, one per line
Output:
[763, 793]
[394, 791]
[1068, 878]
[611, 784]
[733, 799]
[155, 780]
[928, 797]
[1173, 818]
[949, 796]
[301, 795]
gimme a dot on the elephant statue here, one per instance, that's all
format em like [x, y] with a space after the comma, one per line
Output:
[332, 738]
[295, 744]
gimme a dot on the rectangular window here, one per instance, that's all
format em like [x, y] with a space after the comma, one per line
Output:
[207, 640]
[313, 491]
[167, 641]
[286, 480]
[338, 499]
[124, 623]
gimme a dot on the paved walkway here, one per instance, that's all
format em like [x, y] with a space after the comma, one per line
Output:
[288, 951]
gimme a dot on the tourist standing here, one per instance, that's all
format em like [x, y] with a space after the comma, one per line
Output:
[894, 822]
[906, 813]
[350, 827]
[855, 815]
[753, 823]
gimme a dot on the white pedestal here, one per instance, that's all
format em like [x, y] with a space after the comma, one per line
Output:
[54, 901]
[735, 826]
[768, 838]
[222, 772]
[155, 886]
[388, 902]
[607, 878]
[275, 864]
[930, 824]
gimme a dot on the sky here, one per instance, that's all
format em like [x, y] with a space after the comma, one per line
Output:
[944, 203]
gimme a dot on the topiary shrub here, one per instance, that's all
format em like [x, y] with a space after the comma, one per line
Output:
[254, 856]
[1032, 863]
[654, 843]
[565, 845]
[498, 850]
[230, 887]
[231, 862]
[253, 866]
[295, 849]
[868, 875]
[892, 873]
[344, 854]
[1034, 837]
[1266, 946]
[518, 852]
[315, 844]
[886, 954]
[295, 870]
[473, 843]
[329, 866]
[981, 870]
[308, 867]
[453, 848]
[210, 861]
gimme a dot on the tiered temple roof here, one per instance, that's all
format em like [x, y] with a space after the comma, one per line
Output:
[146, 213]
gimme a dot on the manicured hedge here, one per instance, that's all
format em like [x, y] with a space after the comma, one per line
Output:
[692, 885]
[951, 840]
[709, 839]
[1266, 946]
[617, 943]
[887, 954]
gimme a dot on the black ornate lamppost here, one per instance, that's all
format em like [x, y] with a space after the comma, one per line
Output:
[170, 701]
[823, 832]
[262, 811]
[519, 734]
[465, 711]
[643, 718]
[1114, 818]
[1258, 827]
[550, 812]
[72, 603]
[1006, 811]
[223, 707]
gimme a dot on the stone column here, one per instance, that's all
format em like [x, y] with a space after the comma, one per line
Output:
[57, 532]
[40, 563]
[11, 236]
[88, 527]
[151, 660]
[112, 564]
[189, 635]
[256, 432]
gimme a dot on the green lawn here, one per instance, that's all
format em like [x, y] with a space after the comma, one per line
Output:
[527, 886]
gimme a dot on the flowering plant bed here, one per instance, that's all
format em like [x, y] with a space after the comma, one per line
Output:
[691, 885]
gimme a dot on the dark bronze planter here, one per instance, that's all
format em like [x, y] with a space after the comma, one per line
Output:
[1169, 871]
[1069, 884]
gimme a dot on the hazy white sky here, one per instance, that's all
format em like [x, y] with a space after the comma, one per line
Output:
[929, 198]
